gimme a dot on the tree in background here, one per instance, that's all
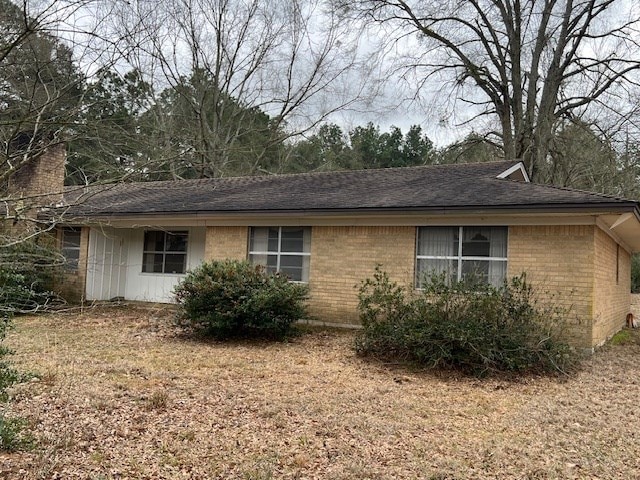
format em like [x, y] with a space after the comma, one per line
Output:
[206, 134]
[417, 148]
[363, 147]
[526, 66]
[128, 131]
[471, 149]
[109, 139]
[247, 75]
[580, 158]
[327, 149]
[226, 94]
[41, 88]
[372, 149]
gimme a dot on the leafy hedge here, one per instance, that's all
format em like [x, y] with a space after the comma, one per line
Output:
[27, 270]
[8, 374]
[26, 274]
[462, 325]
[232, 298]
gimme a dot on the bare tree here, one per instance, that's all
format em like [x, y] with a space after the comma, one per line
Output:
[228, 61]
[526, 63]
[46, 50]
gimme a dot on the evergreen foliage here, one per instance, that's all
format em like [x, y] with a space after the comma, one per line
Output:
[232, 298]
[41, 85]
[27, 270]
[26, 274]
[635, 273]
[468, 326]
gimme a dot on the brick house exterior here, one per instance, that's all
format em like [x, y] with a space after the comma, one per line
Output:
[575, 264]
[137, 240]
[37, 184]
[40, 181]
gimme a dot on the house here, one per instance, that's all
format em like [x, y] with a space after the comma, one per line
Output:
[331, 229]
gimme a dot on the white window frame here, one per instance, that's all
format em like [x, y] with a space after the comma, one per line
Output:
[75, 265]
[280, 253]
[166, 252]
[458, 258]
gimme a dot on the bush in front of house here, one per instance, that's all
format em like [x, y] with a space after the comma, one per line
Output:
[27, 269]
[466, 325]
[232, 298]
[26, 274]
[13, 434]
[8, 374]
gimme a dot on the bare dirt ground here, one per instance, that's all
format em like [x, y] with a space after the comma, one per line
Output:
[121, 395]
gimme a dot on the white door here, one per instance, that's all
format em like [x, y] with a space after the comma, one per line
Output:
[106, 264]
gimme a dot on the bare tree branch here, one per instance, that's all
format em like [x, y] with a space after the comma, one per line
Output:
[533, 62]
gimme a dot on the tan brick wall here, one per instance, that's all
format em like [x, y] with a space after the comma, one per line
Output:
[226, 242]
[567, 264]
[71, 285]
[559, 261]
[612, 292]
[341, 257]
[37, 183]
[42, 178]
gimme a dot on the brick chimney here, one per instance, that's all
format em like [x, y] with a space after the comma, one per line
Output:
[40, 181]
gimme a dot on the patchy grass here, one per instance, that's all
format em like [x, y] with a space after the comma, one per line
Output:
[625, 336]
[121, 395]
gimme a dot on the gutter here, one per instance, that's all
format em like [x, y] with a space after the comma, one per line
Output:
[605, 207]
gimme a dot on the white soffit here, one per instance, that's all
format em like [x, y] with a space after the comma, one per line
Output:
[623, 228]
[621, 219]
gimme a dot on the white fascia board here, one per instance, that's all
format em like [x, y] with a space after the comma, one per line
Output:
[518, 167]
[284, 220]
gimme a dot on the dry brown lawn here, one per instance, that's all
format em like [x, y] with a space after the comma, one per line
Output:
[121, 395]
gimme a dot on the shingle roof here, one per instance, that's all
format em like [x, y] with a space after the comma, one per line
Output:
[427, 188]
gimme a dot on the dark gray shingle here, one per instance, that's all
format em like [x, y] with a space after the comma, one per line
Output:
[458, 187]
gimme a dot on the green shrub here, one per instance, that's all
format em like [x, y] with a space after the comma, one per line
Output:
[635, 273]
[232, 298]
[26, 275]
[27, 270]
[13, 436]
[463, 325]
[8, 374]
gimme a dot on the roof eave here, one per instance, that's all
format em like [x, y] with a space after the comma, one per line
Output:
[603, 207]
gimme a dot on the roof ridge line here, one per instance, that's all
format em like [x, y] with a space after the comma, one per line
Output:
[307, 174]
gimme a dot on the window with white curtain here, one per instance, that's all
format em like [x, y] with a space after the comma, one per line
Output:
[282, 249]
[461, 252]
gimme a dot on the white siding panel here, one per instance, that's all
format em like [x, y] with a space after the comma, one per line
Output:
[156, 287]
[106, 259]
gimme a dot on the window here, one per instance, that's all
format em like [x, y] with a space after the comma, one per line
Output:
[71, 248]
[480, 252]
[282, 249]
[164, 252]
